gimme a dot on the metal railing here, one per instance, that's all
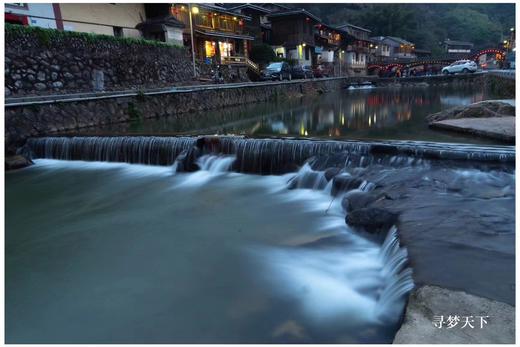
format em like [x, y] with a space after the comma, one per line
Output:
[236, 60]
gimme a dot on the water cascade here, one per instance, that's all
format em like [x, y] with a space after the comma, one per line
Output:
[262, 156]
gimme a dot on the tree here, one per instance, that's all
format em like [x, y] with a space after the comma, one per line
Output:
[262, 53]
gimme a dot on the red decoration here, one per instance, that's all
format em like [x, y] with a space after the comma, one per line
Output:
[241, 22]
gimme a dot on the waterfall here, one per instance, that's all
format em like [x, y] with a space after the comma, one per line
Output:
[215, 164]
[397, 276]
[264, 156]
[308, 178]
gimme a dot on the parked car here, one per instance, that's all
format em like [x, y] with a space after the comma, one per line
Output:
[305, 71]
[322, 71]
[463, 66]
[277, 71]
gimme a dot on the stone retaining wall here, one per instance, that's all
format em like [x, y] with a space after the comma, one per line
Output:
[45, 61]
[28, 120]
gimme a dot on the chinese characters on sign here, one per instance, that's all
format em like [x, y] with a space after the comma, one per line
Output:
[450, 322]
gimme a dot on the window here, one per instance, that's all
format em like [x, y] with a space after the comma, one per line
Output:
[118, 32]
[226, 49]
[209, 48]
[20, 5]
[204, 20]
[306, 53]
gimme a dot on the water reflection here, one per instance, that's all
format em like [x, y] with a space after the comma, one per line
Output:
[379, 113]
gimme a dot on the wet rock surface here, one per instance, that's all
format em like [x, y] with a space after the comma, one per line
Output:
[455, 218]
[483, 109]
[428, 303]
[17, 162]
[499, 128]
[457, 223]
[371, 219]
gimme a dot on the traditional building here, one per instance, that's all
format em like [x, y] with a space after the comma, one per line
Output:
[33, 14]
[379, 50]
[219, 34]
[163, 28]
[107, 19]
[293, 35]
[400, 49]
[457, 49]
[259, 26]
[357, 49]
[329, 42]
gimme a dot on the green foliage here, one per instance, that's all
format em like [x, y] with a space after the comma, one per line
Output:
[262, 53]
[134, 113]
[427, 25]
[46, 36]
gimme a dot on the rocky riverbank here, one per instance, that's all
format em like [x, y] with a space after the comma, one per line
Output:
[493, 119]
[438, 315]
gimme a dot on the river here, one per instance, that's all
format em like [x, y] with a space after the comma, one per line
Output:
[378, 113]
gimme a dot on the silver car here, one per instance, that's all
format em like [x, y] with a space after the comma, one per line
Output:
[464, 66]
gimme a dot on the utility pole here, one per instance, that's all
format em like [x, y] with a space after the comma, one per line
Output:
[192, 43]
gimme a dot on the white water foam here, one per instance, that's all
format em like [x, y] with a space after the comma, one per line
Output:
[360, 278]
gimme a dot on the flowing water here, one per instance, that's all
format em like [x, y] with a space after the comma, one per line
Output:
[114, 252]
[377, 113]
[101, 248]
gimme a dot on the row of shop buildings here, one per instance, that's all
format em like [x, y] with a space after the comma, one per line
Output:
[226, 33]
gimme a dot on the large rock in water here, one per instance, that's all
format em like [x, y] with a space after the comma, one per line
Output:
[17, 162]
[483, 109]
[371, 219]
[428, 303]
[344, 183]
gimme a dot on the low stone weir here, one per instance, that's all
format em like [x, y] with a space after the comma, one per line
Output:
[262, 156]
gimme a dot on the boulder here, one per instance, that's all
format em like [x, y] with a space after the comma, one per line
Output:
[17, 162]
[483, 109]
[185, 161]
[372, 220]
[344, 183]
[357, 199]
[331, 172]
[428, 303]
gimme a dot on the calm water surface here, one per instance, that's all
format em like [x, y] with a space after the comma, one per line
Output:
[379, 113]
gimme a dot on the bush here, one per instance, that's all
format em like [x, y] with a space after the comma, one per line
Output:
[262, 53]
[45, 36]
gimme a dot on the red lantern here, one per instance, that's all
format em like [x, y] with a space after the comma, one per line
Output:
[241, 22]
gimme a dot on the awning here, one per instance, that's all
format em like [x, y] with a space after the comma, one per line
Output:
[225, 35]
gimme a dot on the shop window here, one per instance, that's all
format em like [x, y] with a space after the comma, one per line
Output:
[209, 47]
[226, 49]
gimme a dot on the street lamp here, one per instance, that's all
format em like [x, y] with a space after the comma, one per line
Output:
[194, 10]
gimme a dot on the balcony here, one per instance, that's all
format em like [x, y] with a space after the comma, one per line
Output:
[358, 49]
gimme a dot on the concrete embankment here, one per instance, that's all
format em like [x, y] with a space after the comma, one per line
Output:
[38, 116]
[492, 119]
[437, 315]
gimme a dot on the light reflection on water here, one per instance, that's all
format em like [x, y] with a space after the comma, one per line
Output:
[378, 113]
